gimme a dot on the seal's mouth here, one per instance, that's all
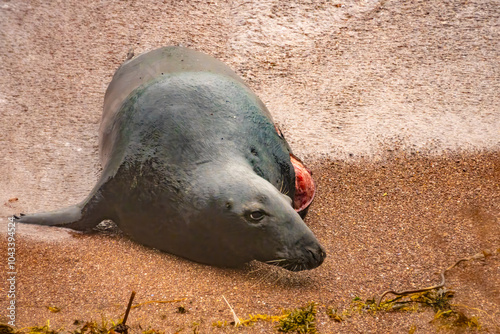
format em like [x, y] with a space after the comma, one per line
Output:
[304, 186]
[310, 260]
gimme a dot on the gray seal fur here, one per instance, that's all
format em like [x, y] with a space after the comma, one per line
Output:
[193, 166]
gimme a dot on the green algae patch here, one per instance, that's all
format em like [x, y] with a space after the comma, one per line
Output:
[301, 320]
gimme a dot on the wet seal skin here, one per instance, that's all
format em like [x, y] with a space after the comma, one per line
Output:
[193, 165]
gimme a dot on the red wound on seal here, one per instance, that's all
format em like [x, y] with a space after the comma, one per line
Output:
[304, 183]
[304, 186]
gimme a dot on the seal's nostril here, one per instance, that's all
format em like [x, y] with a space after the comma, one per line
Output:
[316, 257]
[313, 255]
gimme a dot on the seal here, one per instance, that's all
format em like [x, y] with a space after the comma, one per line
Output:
[193, 165]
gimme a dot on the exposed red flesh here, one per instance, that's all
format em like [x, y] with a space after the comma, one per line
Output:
[304, 183]
[304, 186]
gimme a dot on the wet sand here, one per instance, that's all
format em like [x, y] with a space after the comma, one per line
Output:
[386, 225]
[394, 106]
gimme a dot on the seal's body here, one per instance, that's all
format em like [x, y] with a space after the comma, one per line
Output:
[193, 165]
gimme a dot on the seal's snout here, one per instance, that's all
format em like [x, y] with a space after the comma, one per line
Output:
[306, 258]
[315, 257]
[310, 258]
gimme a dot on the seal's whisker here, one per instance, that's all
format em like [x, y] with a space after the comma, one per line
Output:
[277, 280]
[286, 192]
[256, 270]
[263, 279]
[267, 275]
[276, 261]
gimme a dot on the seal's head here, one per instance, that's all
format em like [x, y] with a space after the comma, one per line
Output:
[250, 220]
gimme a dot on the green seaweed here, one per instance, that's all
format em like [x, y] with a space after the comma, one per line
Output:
[446, 314]
[301, 320]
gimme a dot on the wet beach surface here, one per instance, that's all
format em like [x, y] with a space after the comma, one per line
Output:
[394, 107]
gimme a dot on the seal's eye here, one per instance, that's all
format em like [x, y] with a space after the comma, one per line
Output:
[257, 215]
